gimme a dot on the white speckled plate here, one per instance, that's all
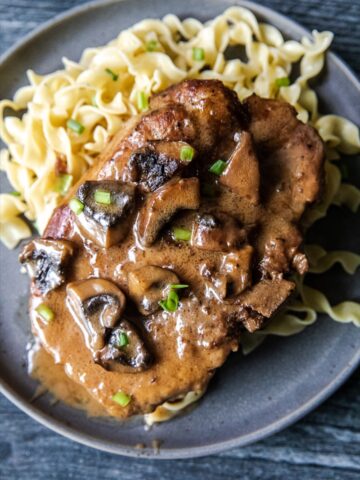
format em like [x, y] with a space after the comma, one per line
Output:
[251, 397]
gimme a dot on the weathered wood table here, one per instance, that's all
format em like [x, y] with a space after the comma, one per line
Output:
[324, 445]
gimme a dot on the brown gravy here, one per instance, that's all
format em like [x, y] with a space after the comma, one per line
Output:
[51, 376]
[246, 236]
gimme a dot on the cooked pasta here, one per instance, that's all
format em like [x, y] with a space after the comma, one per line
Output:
[348, 195]
[168, 410]
[71, 114]
[321, 261]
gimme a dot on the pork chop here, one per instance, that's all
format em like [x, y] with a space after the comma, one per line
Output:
[184, 234]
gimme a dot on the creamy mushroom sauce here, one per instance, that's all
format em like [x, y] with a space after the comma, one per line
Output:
[52, 378]
[180, 341]
[239, 264]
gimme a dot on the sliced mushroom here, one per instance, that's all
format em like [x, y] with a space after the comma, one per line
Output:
[96, 305]
[106, 224]
[219, 232]
[242, 174]
[148, 286]
[46, 262]
[162, 204]
[231, 276]
[236, 269]
[125, 351]
[156, 163]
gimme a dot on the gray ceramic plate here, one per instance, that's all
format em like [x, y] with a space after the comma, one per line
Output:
[249, 398]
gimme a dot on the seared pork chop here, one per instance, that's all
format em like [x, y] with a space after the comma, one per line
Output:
[181, 236]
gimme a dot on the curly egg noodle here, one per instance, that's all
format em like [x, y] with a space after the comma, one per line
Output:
[112, 83]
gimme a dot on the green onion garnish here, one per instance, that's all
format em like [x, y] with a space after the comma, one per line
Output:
[76, 206]
[198, 54]
[113, 75]
[63, 183]
[218, 167]
[181, 234]
[151, 45]
[186, 154]
[282, 82]
[171, 303]
[15, 193]
[45, 312]
[123, 340]
[75, 126]
[142, 101]
[103, 197]
[121, 398]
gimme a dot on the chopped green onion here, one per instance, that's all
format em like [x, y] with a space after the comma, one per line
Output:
[45, 312]
[113, 75]
[171, 303]
[218, 167]
[76, 206]
[63, 183]
[344, 171]
[103, 197]
[181, 233]
[142, 101]
[121, 398]
[75, 126]
[162, 304]
[15, 194]
[186, 154]
[198, 54]
[282, 82]
[208, 189]
[123, 340]
[151, 45]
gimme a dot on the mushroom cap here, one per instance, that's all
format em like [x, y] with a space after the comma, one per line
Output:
[108, 215]
[217, 232]
[96, 305]
[46, 261]
[161, 205]
[106, 224]
[242, 174]
[148, 286]
[156, 163]
[125, 351]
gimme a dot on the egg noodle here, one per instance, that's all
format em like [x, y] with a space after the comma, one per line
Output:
[71, 114]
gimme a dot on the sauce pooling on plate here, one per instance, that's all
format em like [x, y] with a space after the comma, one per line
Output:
[181, 236]
[53, 378]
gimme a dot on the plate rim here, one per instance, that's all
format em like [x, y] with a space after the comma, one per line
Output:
[175, 453]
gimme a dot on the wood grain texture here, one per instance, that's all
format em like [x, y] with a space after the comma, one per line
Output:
[323, 446]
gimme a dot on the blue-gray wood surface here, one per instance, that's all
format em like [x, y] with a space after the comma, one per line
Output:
[324, 445]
